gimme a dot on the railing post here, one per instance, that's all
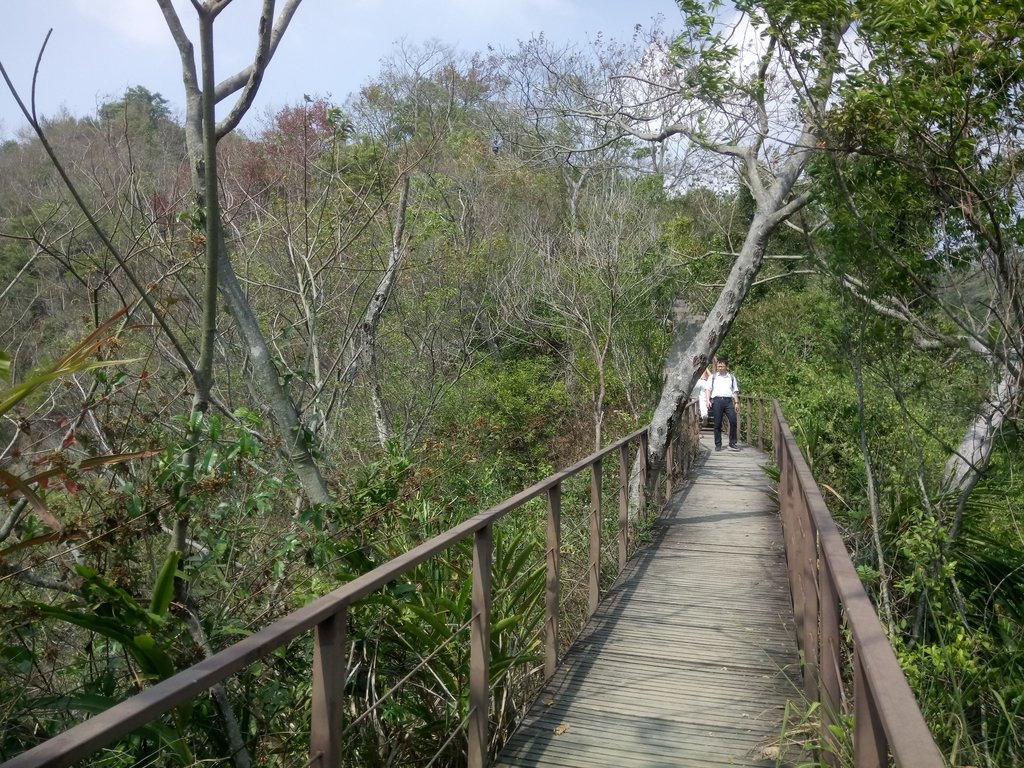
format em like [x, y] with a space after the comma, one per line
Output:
[830, 680]
[762, 419]
[554, 544]
[328, 691]
[687, 437]
[698, 425]
[809, 562]
[777, 441]
[870, 749]
[594, 592]
[740, 423]
[755, 424]
[669, 463]
[684, 445]
[623, 506]
[693, 436]
[480, 650]
[642, 458]
[794, 520]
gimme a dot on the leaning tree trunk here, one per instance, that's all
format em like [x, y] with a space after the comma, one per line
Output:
[773, 204]
[694, 345]
[967, 463]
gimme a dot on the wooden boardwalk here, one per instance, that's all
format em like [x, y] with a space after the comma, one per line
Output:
[691, 658]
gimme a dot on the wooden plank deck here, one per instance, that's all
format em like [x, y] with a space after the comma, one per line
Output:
[690, 659]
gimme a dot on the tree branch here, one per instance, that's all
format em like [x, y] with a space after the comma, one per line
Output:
[189, 74]
[255, 70]
[229, 85]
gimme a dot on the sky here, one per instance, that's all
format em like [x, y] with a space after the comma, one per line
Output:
[101, 47]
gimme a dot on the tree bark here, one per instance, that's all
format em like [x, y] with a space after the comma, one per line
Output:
[364, 340]
[970, 458]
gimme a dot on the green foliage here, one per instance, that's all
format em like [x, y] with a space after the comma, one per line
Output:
[75, 360]
[16, 272]
[802, 743]
[517, 402]
[109, 613]
[476, 411]
[703, 51]
[413, 635]
[115, 615]
[930, 116]
[137, 746]
[923, 202]
[409, 629]
[218, 466]
[137, 104]
[29, 487]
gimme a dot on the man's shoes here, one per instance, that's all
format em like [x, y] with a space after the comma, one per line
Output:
[718, 447]
[734, 447]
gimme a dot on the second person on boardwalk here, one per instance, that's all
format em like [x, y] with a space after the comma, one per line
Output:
[700, 394]
[725, 399]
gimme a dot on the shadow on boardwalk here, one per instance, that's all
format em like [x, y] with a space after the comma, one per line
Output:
[690, 659]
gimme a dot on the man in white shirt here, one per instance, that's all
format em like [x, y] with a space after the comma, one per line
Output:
[725, 398]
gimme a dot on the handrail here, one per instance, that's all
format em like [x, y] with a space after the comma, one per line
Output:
[826, 589]
[326, 617]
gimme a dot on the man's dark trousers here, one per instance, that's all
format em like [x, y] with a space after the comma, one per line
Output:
[720, 406]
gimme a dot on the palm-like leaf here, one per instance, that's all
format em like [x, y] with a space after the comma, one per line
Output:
[75, 360]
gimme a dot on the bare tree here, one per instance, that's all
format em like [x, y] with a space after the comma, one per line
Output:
[340, 221]
[591, 280]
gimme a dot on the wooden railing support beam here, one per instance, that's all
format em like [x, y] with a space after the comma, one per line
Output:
[869, 745]
[670, 462]
[594, 569]
[623, 506]
[826, 588]
[329, 674]
[830, 690]
[642, 496]
[480, 650]
[551, 589]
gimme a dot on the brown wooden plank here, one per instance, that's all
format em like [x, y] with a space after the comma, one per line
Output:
[691, 657]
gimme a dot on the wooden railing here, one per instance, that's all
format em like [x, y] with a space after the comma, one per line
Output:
[326, 616]
[827, 593]
[754, 416]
